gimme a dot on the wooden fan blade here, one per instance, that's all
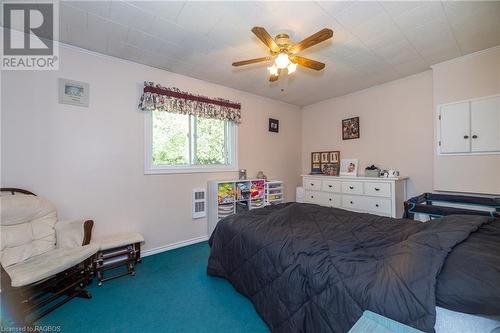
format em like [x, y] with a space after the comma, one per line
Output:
[273, 78]
[266, 38]
[251, 61]
[309, 63]
[314, 39]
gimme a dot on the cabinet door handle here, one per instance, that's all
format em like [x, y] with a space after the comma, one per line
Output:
[376, 205]
[474, 136]
[351, 187]
[466, 136]
[377, 189]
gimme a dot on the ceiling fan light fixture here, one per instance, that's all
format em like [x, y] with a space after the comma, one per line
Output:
[273, 70]
[291, 68]
[282, 60]
[283, 52]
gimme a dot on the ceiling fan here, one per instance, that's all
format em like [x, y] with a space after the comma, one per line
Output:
[283, 52]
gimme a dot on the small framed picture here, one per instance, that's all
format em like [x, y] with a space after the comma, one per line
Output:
[316, 168]
[330, 169]
[349, 167]
[350, 128]
[274, 125]
[73, 92]
[315, 157]
[324, 157]
[334, 156]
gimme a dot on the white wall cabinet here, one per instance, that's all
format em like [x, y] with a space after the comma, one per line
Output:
[471, 126]
[455, 128]
[485, 125]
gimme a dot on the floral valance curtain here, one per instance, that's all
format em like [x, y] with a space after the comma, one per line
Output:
[158, 98]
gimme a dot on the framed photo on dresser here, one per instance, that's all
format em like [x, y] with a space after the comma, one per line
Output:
[325, 162]
[349, 167]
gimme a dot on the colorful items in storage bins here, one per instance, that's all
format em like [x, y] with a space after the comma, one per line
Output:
[227, 197]
[225, 193]
[256, 203]
[243, 191]
[274, 192]
[257, 189]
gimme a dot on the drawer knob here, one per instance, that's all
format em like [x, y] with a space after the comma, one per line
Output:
[377, 189]
[330, 199]
[329, 185]
[474, 136]
[312, 196]
[312, 184]
[466, 136]
[351, 187]
[352, 202]
[376, 205]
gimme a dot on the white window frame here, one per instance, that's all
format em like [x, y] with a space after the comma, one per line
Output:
[151, 169]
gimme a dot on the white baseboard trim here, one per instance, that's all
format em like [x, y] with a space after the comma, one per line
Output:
[172, 246]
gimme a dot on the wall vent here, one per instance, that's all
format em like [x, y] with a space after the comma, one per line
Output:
[199, 203]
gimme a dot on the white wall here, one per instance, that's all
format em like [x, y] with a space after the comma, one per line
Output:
[396, 129]
[471, 76]
[89, 161]
[397, 126]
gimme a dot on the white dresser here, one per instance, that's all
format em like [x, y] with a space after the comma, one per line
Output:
[381, 196]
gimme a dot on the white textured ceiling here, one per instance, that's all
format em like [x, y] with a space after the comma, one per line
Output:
[374, 42]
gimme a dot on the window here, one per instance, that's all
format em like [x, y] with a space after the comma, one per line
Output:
[179, 143]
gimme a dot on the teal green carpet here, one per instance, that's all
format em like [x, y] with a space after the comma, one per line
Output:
[171, 292]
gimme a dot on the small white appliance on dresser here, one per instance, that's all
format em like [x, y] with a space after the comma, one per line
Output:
[380, 196]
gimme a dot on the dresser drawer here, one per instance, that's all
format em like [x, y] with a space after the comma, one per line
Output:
[377, 205]
[312, 184]
[378, 189]
[353, 202]
[352, 187]
[331, 199]
[314, 197]
[331, 186]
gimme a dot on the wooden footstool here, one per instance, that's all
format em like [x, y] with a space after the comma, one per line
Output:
[116, 251]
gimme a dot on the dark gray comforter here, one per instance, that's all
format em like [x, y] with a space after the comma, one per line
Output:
[308, 268]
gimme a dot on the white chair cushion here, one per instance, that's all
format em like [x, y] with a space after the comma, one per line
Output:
[22, 208]
[43, 266]
[27, 228]
[70, 233]
[111, 242]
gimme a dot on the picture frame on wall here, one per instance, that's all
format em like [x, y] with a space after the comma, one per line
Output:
[349, 167]
[324, 157]
[74, 92]
[274, 125]
[350, 128]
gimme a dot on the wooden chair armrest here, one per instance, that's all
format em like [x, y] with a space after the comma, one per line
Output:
[87, 231]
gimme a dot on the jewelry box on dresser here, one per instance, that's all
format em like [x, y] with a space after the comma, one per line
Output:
[381, 196]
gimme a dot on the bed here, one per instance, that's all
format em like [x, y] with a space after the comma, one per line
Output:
[308, 268]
